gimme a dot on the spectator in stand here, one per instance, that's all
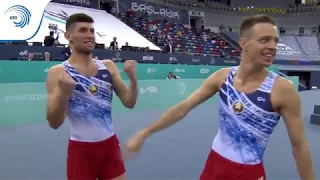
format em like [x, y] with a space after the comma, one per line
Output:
[30, 56]
[114, 11]
[169, 47]
[129, 15]
[172, 76]
[301, 31]
[113, 44]
[205, 37]
[154, 38]
[144, 16]
[314, 30]
[165, 20]
[282, 30]
[160, 40]
[221, 28]
[213, 41]
[47, 56]
[126, 47]
[49, 40]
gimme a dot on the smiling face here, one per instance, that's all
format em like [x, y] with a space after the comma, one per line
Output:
[261, 44]
[82, 37]
[80, 33]
[258, 41]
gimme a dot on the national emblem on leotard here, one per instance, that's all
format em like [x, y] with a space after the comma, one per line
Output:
[93, 88]
[238, 107]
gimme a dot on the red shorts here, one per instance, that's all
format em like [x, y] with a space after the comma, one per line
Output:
[220, 168]
[89, 161]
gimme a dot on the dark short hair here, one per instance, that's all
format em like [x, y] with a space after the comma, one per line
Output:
[249, 22]
[76, 18]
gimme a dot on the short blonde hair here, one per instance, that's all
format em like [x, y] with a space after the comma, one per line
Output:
[249, 22]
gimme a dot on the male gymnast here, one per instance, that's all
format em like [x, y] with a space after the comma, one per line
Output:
[252, 100]
[81, 89]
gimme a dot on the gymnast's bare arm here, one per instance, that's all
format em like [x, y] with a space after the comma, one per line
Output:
[208, 89]
[287, 101]
[58, 99]
[127, 95]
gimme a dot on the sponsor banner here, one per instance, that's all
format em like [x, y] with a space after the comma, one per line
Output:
[83, 3]
[33, 71]
[21, 52]
[25, 71]
[263, 10]
[155, 11]
[24, 103]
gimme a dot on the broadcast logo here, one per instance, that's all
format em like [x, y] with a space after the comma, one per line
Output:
[19, 15]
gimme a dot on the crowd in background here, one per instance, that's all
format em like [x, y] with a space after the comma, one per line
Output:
[167, 40]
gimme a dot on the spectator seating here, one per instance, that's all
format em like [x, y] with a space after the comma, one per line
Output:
[185, 40]
[310, 46]
[304, 47]
[216, 5]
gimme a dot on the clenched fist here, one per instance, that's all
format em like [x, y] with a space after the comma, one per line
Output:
[130, 68]
[66, 83]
